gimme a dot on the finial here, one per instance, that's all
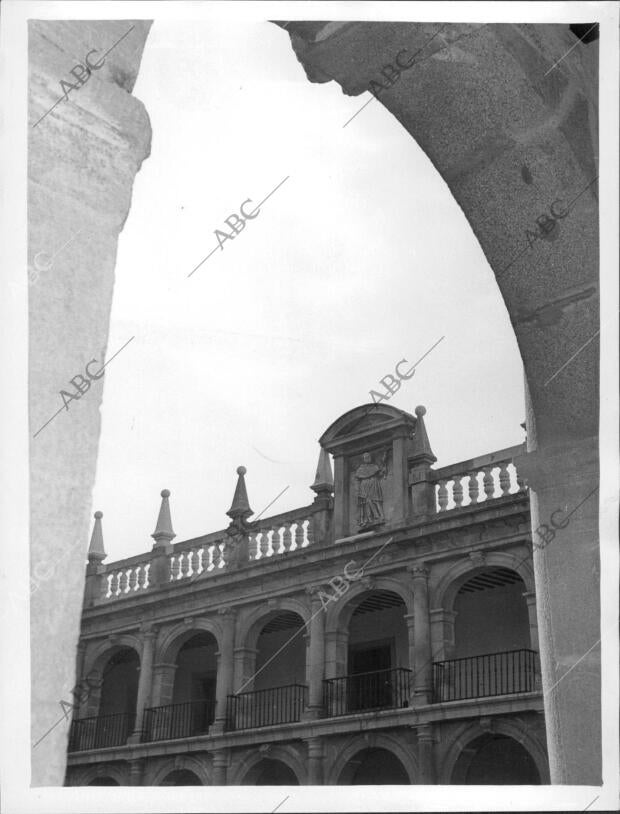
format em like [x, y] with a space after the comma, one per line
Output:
[324, 479]
[240, 508]
[421, 445]
[163, 530]
[96, 551]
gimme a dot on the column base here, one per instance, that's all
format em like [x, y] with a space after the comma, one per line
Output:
[312, 713]
[218, 727]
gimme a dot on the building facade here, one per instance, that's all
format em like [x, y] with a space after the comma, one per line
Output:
[385, 633]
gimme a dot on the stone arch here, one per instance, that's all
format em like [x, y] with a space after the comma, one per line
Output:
[175, 637]
[522, 122]
[339, 613]
[372, 740]
[157, 773]
[86, 775]
[515, 729]
[94, 667]
[249, 626]
[287, 754]
[444, 592]
[101, 652]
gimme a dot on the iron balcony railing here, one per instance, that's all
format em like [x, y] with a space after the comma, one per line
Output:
[178, 720]
[278, 705]
[101, 731]
[483, 676]
[381, 689]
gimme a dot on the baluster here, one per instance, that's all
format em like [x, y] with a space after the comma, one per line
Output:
[264, 543]
[146, 574]
[276, 540]
[175, 567]
[504, 479]
[442, 495]
[105, 590]
[457, 491]
[520, 481]
[308, 532]
[217, 557]
[299, 535]
[287, 537]
[488, 482]
[133, 579]
[114, 584]
[184, 564]
[473, 487]
[194, 562]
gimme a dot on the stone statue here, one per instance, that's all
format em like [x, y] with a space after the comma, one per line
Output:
[369, 491]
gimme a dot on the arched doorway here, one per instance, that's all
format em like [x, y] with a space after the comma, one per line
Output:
[492, 652]
[279, 690]
[181, 777]
[192, 704]
[495, 760]
[195, 680]
[103, 781]
[374, 767]
[376, 660]
[117, 705]
[270, 772]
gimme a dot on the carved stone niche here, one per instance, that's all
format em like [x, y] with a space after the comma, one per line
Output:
[370, 445]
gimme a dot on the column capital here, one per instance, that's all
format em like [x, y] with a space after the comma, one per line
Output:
[245, 650]
[425, 732]
[227, 612]
[148, 630]
[220, 757]
[442, 613]
[419, 571]
[315, 746]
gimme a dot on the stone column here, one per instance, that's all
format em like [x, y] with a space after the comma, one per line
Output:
[315, 761]
[145, 682]
[136, 771]
[563, 481]
[426, 762]
[220, 764]
[225, 665]
[422, 657]
[316, 656]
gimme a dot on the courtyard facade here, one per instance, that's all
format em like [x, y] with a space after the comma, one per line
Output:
[385, 633]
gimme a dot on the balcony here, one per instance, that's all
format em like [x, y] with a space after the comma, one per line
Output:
[278, 705]
[101, 731]
[175, 721]
[485, 676]
[362, 692]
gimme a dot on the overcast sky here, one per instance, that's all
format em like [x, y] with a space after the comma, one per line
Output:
[361, 258]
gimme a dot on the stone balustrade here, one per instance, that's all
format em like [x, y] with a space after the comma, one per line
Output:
[197, 557]
[126, 577]
[478, 480]
[204, 556]
[279, 535]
